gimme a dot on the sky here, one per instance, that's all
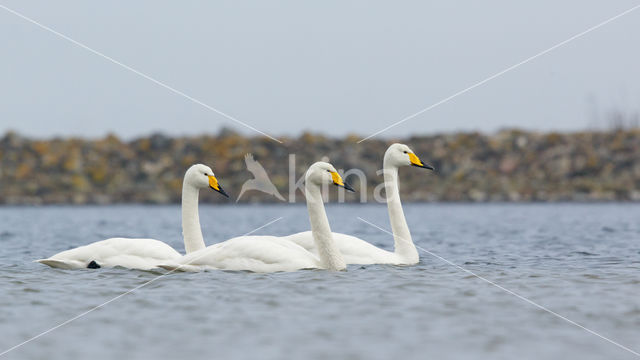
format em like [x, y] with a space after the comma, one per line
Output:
[335, 67]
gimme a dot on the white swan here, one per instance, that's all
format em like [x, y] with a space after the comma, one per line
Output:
[358, 251]
[145, 254]
[272, 253]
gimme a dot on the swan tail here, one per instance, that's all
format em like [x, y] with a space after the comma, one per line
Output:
[60, 264]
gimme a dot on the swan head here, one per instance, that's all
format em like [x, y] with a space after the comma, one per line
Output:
[201, 176]
[401, 155]
[324, 173]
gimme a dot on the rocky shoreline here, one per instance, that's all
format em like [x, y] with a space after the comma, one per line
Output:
[511, 166]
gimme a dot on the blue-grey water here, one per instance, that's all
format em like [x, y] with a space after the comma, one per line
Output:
[580, 261]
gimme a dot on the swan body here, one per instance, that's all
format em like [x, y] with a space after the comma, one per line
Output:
[262, 254]
[354, 250]
[358, 251]
[272, 253]
[144, 254]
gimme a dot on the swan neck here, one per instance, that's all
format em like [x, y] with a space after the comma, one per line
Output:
[329, 253]
[191, 231]
[403, 243]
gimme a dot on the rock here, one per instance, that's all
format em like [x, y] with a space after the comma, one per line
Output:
[512, 165]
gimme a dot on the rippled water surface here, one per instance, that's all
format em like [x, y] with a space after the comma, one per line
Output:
[580, 261]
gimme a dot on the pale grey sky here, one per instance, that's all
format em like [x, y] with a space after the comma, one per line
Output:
[330, 66]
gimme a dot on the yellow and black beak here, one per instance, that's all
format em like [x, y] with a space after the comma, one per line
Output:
[213, 183]
[337, 180]
[415, 161]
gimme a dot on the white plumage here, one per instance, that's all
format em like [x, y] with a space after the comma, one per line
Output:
[358, 251]
[272, 253]
[145, 254]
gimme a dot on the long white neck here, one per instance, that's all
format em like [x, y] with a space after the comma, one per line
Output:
[191, 232]
[403, 244]
[327, 250]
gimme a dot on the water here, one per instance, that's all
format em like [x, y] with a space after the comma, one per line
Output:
[581, 261]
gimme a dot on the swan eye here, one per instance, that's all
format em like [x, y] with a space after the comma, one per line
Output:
[406, 152]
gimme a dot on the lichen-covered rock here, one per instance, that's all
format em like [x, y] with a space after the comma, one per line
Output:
[511, 165]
